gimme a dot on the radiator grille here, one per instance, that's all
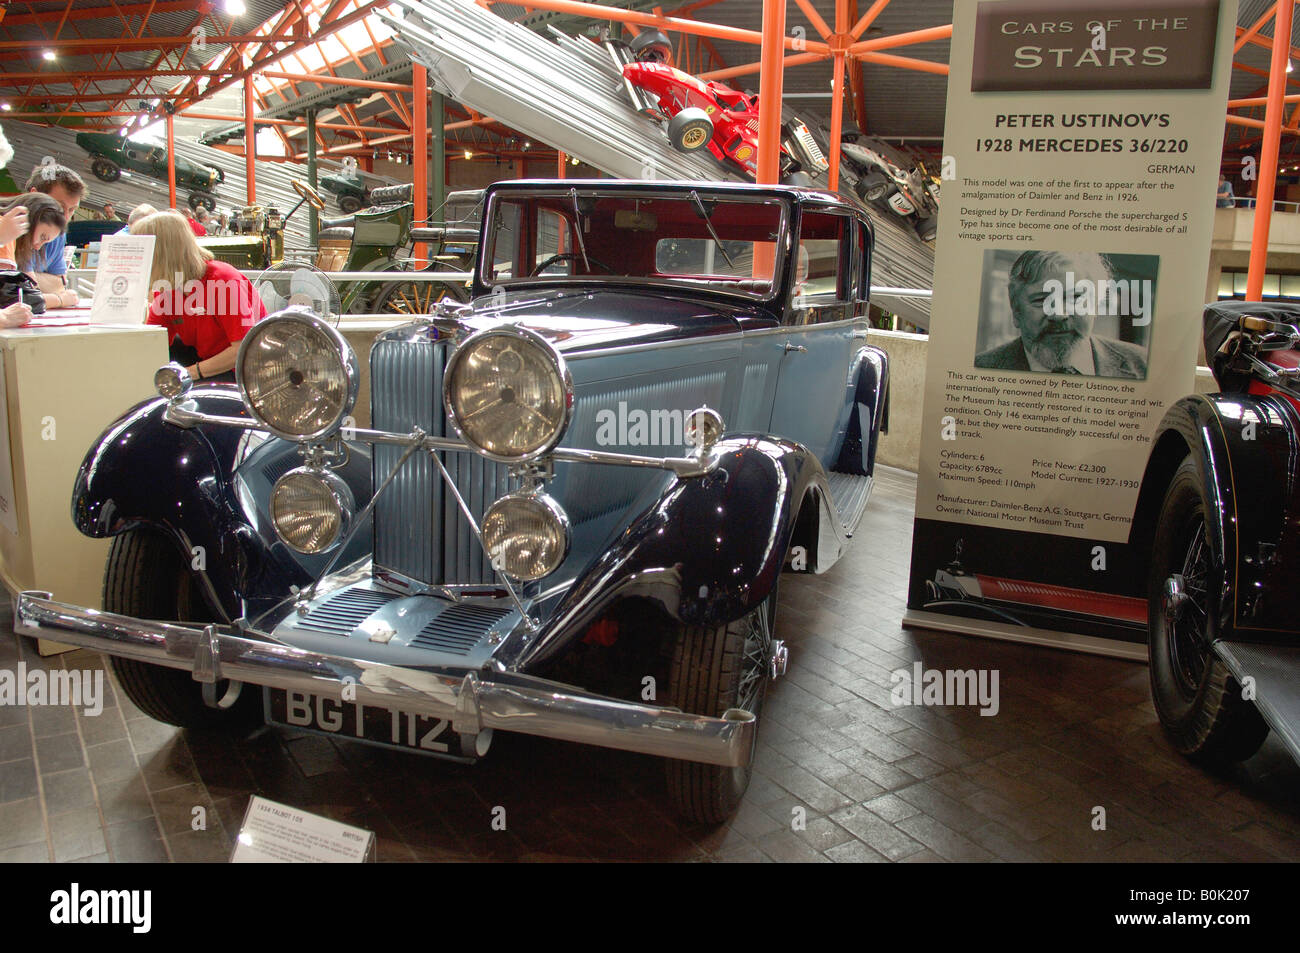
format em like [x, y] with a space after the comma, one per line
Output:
[419, 530]
[458, 629]
[340, 614]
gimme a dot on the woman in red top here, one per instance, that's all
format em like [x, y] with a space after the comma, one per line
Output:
[206, 305]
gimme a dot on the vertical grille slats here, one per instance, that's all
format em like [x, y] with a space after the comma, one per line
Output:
[420, 531]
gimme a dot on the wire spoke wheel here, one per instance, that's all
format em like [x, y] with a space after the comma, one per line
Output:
[1199, 703]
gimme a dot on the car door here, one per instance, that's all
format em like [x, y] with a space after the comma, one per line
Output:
[823, 325]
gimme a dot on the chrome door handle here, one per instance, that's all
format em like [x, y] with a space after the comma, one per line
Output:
[862, 334]
[794, 347]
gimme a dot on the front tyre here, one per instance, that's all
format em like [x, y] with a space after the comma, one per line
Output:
[146, 578]
[690, 130]
[712, 670]
[1197, 699]
[105, 169]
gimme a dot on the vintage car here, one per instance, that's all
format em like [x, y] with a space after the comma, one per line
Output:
[110, 154]
[567, 517]
[1216, 524]
[709, 115]
[349, 190]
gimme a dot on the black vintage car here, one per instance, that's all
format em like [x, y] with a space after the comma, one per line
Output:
[1217, 520]
[660, 397]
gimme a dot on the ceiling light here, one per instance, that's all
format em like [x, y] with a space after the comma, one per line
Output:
[468, 154]
[48, 54]
[574, 160]
[235, 8]
[6, 107]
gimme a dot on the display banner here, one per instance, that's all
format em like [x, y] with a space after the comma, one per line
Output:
[122, 279]
[1083, 143]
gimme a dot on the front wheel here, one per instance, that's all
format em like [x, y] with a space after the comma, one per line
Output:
[872, 187]
[417, 297]
[105, 169]
[146, 578]
[713, 670]
[350, 204]
[690, 130]
[1199, 703]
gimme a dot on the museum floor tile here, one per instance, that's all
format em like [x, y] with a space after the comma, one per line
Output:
[841, 773]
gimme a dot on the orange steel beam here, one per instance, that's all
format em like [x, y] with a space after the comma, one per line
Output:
[868, 18]
[98, 13]
[910, 38]
[905, 62]
[1260, 101]
[816, 20]
[250, 142]
[1265, 44]
[171, 164]
[341, 126]
[1268, 150]
[837, 96]
[675, 24]
[751, 68]
[334, 80]
[856, 83]
[132, 43]
[1244, 36]
[1256, 124]
[420, 148]
[323, 31]
[561, 160]
[771, 77]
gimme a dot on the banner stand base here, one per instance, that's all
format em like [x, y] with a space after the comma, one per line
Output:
[1050, 638]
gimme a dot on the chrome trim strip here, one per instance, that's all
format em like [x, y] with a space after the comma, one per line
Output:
[472, 701]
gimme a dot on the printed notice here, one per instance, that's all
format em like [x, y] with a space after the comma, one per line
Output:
[276, 833]
[122, 279]
[1070, 277]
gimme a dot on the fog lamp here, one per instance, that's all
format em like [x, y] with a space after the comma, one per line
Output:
[311, 509]
[526, 535]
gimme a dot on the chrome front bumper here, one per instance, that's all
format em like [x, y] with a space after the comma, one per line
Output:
[473, 702]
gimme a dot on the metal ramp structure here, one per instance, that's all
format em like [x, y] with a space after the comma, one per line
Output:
[567, 92]
[32, 143]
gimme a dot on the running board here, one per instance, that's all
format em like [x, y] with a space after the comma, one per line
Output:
[1276, 673]
[850, 493]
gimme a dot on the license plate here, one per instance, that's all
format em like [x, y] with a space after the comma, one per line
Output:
[380, 726]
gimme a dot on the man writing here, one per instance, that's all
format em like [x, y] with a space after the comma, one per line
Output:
[67, 188]
[1056, 338]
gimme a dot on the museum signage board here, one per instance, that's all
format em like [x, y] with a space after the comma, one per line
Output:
[1083, 144]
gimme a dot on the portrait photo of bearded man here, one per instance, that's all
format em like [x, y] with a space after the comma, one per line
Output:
[1055, 298]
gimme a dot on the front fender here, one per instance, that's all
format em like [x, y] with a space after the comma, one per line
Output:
[194, 486]
[1245, 450]
[707, 552]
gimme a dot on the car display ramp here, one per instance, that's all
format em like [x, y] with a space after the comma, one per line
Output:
[32, 143]
[567, 92]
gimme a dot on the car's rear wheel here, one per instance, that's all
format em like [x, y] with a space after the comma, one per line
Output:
[417, 297]
[714, 669]
[651, 46]
[145, 578]
[690, 130]
[350, 204]
[105, 169]
[1199, 703]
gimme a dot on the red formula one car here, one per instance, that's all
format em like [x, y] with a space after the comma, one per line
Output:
[709, 115]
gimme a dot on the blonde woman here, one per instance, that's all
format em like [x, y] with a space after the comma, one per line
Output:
[206, 305]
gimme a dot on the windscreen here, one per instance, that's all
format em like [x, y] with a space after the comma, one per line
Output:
[692, 238]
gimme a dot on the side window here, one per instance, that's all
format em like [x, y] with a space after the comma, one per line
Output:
[824, 280]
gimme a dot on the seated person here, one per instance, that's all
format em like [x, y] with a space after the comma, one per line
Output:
[45, 221]
[137, 213]
[50, 268]
[206, 305]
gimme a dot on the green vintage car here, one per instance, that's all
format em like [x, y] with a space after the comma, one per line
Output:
[349, 190]
[110, 154]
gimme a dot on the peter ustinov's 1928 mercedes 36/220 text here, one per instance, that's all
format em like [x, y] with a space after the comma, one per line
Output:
[506, 531]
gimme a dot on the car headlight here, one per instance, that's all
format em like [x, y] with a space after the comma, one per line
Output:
[311, 509]
[297, 375]
[509, 394]
[526, 535]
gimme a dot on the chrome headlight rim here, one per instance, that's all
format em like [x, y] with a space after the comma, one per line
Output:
[338, 490]
[347, 359]
[558, 364]
[534, 497]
